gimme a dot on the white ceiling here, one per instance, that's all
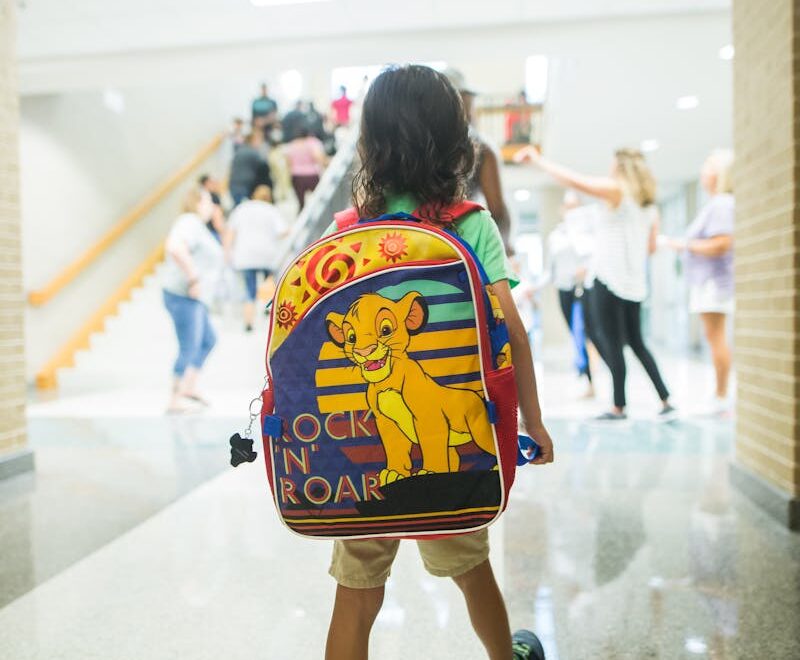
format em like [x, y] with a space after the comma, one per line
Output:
[50, 28]
[613, 81]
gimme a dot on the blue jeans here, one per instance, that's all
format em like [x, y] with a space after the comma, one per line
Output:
[196, 337]
[239, 195]
[250, 276]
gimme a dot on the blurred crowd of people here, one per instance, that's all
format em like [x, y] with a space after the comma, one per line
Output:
[598, 261]
[288, 152]
[597, 257]
[235, 229]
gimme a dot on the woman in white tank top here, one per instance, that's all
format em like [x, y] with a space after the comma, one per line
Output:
[625, 236]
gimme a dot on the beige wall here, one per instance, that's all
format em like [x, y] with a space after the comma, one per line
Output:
[82, 167]
[767, 240]
[12, 363]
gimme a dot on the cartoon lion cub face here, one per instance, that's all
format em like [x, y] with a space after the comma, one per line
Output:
[376, 330]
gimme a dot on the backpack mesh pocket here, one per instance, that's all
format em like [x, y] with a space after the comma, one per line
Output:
[502, 391]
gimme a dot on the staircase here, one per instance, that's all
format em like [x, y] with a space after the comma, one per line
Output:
[127, 368]
[104, 262]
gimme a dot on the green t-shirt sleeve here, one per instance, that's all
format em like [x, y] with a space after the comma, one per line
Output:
[330, 229]
[480, 231]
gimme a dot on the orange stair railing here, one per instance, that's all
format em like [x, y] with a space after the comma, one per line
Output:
[93, 252]
[64, 356]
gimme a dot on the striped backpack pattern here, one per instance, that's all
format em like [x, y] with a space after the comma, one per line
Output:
[391, 408]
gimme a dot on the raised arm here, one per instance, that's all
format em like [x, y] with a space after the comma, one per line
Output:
[602, 187]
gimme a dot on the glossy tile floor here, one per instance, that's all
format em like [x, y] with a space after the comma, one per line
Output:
[95, 479]
[134, 541]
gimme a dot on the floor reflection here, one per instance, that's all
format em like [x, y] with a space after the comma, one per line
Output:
[631, 545]
[647, 551]
[94, 480]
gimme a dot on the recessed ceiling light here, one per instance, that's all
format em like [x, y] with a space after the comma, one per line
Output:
[522, 195]
[114, 100]
[696, 645]
[275, 3]
[649, 145]
[687, 103]
[727, 52]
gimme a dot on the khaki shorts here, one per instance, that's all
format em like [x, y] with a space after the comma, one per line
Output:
[366, 564]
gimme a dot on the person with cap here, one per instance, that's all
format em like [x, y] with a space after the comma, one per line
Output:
[485, 179]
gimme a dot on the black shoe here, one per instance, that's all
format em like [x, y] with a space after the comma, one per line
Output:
[526, 646]
[248, 328]
[668, 414]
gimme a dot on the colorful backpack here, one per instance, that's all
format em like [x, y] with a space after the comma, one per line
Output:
[390, 408]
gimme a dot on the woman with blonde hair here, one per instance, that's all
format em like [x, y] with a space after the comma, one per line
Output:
[193, 264]
[708, 249]
[625, 236]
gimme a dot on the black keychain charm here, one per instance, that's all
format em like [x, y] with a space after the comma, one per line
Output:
[242, 444]
[241, 450]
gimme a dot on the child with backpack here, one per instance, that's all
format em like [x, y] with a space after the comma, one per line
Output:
[416, 157]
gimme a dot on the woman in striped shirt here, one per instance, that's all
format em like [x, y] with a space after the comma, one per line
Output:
[625, 236]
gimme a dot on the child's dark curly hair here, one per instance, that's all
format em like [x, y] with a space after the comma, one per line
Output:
[415, 140]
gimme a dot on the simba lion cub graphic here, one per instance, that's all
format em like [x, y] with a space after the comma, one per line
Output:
[409, 406]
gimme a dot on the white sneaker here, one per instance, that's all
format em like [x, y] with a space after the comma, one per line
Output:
[719, 406]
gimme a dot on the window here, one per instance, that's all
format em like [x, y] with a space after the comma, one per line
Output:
[536, 70]
[357, 78]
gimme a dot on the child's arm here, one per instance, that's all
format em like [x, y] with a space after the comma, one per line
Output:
[524, 374]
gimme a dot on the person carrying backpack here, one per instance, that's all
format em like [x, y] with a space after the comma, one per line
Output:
[416, 156]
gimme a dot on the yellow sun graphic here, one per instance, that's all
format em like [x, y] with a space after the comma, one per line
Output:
[287, 315]
[393, 247]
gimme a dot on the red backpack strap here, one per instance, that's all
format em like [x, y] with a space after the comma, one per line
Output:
[349, 217]
[346, 218]
[449, 213]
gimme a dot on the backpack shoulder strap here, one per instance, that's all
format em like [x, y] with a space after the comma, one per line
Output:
[350, 217]
[450, 213]
[346, 218]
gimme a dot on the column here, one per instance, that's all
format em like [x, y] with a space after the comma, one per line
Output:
[555, 332]
[767, 340]
[15, 455]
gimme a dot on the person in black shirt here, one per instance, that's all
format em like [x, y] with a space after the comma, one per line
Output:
[248, 169]
[293, 121]
[316, 122]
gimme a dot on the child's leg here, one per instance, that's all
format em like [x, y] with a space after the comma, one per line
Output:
[487, 610]
[360, 568]
[465, 558]
[354, 612]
